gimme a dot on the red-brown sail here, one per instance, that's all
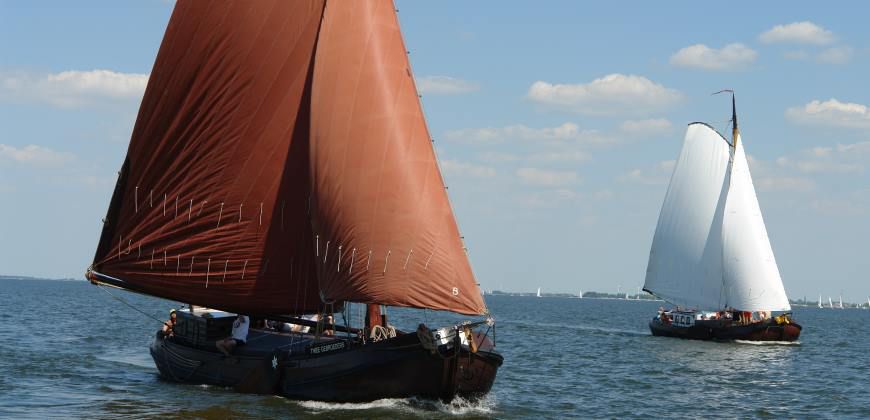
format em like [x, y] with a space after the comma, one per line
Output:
[385, 232]
[280, 161]
[211, 205]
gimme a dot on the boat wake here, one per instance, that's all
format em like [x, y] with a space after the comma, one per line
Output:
[133, 359]
[588, 328]
[769, 343]
[413, 406]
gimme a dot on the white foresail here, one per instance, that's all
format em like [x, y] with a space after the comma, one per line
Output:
[751, 277]
[685, 263]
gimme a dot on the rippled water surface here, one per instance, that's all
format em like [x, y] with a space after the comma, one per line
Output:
[67, 349]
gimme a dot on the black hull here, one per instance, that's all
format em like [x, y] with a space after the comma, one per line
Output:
[717, 330]
[395, 368]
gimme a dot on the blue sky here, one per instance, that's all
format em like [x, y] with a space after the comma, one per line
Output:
[557, 125]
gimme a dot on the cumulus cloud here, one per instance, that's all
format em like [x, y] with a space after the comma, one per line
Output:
[34, 155]
[841, 159]
[534, 176]
[72, 88]
[614, 94]
[835, 55]
[646, 127]
[457, 168]
[796, 55]
[785, 183]
[569, 156]
[444, 85]
[658, 174]
[491, 135]
[730, 57]
[798, 33]
[831, 113]
[825, 165]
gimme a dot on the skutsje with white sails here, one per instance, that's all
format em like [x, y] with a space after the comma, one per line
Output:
[711, 256]
[280, 165]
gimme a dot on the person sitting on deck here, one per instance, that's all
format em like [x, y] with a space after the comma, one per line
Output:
[238, 338]
[169, 326]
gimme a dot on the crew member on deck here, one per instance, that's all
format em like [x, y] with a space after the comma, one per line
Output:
[169, 326]
[238, 338]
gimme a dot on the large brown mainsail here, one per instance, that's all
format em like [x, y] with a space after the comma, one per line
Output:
[211, 205]
[280, 160]
[382, 219]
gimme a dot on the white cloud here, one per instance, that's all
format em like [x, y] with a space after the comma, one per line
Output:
[646, 127]
[796, 55]
[534, 176]
[842, 159]
[832, 113]
[456, 168]
[34, 155]
[574, 156]
[799, 33]
[730, 57]
[499, 157]
[562, 133]
[444, 85]
[835, 55]
[820, 166]
[855, 149]
[785, 183]
[72, 88]
[614, 94]
[658, 174]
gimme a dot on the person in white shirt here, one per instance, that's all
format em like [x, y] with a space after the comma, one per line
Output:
[238, 338]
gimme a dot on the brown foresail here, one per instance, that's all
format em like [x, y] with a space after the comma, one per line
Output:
[384, 230]
[212, 204]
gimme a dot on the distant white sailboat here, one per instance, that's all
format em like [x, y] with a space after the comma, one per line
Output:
[539, 292]
[830, 303]
[581, 294]
[710, 255]
[841, 301]
[820, 302]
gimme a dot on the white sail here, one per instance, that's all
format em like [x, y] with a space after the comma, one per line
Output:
[685, 263]
[539, 292]
[830, 303]
[751, 277]
[820, 301]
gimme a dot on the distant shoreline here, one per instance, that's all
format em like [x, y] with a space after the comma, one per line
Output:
[2, 277]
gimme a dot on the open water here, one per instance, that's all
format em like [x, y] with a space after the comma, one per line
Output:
[68, 349]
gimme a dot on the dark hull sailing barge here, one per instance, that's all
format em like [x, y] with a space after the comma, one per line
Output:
[280, 166]
[779, 328]
[711, 250]
[308, 367]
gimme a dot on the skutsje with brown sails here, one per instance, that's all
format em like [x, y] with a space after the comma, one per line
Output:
[280, 165]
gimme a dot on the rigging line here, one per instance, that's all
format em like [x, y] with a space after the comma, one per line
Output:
[128, 304]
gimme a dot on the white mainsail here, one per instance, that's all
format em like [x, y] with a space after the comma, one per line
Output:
[820, 301]
[685, 262]
[711, 249]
